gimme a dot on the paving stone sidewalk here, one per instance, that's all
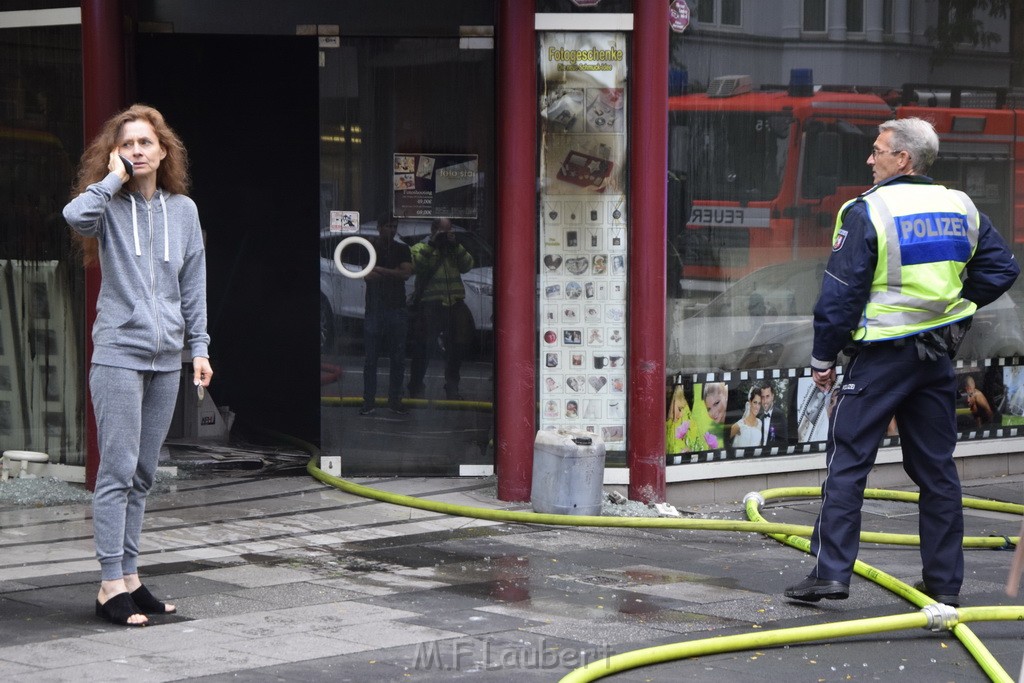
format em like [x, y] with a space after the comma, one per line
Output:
[282, 578]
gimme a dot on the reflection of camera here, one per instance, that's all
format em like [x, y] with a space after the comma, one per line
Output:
[440, 240]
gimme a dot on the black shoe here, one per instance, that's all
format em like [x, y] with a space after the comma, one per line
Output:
[398, 410]
[118, 610]
[812, 590]
[366, 410]
[944, 598]
[148, 603]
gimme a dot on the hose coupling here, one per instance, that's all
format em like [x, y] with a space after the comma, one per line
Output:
[1007, 543]
[940, 617]
[753, 495]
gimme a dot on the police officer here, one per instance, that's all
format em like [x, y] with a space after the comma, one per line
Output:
[911, 262]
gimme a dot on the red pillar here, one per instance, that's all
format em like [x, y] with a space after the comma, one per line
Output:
[648, 163]
[516, 291]
[103, 69]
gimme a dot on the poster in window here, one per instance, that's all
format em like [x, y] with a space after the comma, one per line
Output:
[583, 110]
[435, 185]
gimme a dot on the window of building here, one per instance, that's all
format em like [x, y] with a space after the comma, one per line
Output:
[705, 11]
[887, 18]
[731, 12]
[722, 12]
[814, 15]
[855, 16]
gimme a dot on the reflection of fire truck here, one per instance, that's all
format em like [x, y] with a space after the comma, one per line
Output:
[756, 177]
[981, 150]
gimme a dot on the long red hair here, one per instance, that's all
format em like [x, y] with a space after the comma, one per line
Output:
[172, 175]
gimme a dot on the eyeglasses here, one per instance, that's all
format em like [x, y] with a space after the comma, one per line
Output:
[875, 152]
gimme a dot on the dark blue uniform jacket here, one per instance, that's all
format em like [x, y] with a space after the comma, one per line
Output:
[851, 268]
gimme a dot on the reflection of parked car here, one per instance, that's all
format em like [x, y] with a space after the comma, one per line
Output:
[764, 321]
[343, 297]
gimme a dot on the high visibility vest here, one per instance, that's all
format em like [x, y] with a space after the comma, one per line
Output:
[926, 235]
[444, 270]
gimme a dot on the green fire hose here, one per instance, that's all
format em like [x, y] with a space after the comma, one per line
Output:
[932, 615]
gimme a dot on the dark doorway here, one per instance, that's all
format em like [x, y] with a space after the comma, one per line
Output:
[247, 110]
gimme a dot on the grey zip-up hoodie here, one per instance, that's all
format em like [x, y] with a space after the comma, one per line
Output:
[153, 293]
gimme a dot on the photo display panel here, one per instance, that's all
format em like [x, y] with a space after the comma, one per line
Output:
[583, 228]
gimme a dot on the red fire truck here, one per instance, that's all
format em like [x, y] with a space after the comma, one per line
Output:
[756, 177]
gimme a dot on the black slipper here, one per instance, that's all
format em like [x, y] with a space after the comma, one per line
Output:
[118, 609]
[147, 603]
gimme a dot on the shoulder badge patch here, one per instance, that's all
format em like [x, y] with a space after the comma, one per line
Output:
[839, 241]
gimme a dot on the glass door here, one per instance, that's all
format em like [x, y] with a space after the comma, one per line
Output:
[407, 164]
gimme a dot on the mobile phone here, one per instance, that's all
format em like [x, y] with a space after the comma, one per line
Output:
[127, 166]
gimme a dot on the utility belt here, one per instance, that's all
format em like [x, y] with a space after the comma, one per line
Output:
[890, 343]
[931, 344]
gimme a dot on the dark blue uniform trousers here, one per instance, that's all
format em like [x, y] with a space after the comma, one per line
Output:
[886, 379]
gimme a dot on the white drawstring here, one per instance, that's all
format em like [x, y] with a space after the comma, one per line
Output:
[167, 244]
[135, 227]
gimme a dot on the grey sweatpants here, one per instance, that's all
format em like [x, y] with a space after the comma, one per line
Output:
[133, 414]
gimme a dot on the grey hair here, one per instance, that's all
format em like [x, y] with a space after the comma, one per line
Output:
[915, 136]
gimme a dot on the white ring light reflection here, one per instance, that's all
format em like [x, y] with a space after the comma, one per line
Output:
[354, 274]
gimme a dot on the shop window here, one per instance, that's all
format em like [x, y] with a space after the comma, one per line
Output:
[757, 175]
[41, 311]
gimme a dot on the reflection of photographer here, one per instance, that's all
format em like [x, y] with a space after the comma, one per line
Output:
[440, 315]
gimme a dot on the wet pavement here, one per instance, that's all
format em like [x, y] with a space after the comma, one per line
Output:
[279, 577]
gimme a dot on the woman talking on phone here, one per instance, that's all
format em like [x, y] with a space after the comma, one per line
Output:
[131, 213]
